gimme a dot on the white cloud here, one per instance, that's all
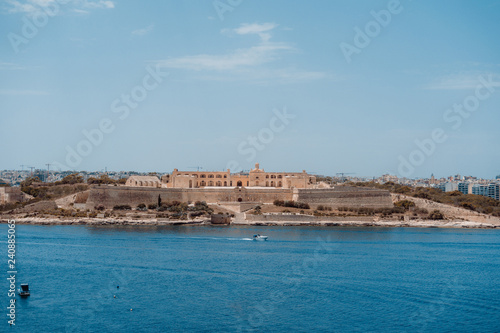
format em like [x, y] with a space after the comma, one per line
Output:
[254, 28]
[245, 63]
[143, 31]
[462, 81]
[252, 56]
[263, 30]
[9, 66]
[98, 4]
[31, 7]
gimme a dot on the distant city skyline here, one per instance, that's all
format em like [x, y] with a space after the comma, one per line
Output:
[409, 88]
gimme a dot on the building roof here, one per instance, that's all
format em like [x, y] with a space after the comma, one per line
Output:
[145, 178]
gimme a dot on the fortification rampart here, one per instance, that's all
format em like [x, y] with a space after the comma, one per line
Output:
[109, 196]
[303, 218]
[345, 196]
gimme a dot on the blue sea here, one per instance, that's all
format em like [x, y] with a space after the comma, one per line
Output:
[216, 279]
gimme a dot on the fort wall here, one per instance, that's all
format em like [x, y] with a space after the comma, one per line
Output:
[303, 218]
[109, 196]
[344, 196]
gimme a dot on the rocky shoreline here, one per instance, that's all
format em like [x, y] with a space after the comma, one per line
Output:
[159, 222]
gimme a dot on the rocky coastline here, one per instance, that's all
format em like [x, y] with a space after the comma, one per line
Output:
[420, 223]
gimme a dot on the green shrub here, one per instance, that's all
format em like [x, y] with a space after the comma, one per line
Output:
[436, 215]
[122, 207]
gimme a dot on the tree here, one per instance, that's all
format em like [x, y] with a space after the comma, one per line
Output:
[74, 178]
[436, 215]
[406, 204]
[29, 181]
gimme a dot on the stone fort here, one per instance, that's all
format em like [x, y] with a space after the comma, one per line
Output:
[255, 178]
[256, 186]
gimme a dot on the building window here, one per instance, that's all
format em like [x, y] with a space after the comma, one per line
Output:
[210, 176]
[219, 183]
[210, 183]
[225, 183]
[202, 176]
[219, 176]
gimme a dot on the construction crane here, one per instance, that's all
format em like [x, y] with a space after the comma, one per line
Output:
[344, 173]
[32, 168]
[198, 168]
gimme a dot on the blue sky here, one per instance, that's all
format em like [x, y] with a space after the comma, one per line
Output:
[225, 72]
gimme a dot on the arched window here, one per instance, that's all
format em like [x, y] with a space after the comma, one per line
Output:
[280, 184]
[219, 183]
[231, 183]
[272, 183]
[267, 176]
[202, 176]
[210, 176]
[225, 183]
[225, 176]
[210, 183]
[239, 183]
[218, 176]
[202, 183]
[279, 177]
[247, 182]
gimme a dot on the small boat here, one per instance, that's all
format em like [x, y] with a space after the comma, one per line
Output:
[24, 291]
[259, 237]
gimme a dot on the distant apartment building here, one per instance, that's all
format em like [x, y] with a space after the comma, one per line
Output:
[491, 190]
[465, 188]
[448, 187]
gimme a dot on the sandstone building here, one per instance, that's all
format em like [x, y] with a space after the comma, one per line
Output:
[11, 195]
[255, 178]
[143, 181]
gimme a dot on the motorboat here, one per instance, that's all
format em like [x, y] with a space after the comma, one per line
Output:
[24, 291]
[259, 237]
